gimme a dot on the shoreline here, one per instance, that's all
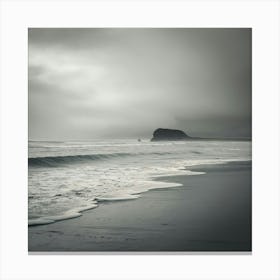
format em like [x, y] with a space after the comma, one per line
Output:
[200, 168]
[129, 226]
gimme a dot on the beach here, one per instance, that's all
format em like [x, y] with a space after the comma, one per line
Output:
[207, 213]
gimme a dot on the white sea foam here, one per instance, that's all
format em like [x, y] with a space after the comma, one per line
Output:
[70, 214]
[66, 179]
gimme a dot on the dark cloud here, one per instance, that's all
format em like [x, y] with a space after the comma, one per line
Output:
[91, 83]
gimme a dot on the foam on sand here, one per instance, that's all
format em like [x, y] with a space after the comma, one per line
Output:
[70, 214]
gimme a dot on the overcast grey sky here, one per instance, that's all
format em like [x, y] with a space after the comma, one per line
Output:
[114, 83]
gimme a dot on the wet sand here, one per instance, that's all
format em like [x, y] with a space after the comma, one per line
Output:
[208, 213]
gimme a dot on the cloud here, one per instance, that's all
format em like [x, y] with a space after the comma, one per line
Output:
[92, 83]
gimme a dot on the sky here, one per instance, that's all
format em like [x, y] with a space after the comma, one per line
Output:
[99, 83]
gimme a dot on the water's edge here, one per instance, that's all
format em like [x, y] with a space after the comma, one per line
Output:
[194, 170]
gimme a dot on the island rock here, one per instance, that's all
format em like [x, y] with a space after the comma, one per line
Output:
[164, 134]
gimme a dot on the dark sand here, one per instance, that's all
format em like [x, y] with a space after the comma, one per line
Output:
[210, 212]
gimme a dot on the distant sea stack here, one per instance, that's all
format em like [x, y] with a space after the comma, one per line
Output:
[165, 134]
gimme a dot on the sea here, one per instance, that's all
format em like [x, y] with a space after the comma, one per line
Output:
[67, 178]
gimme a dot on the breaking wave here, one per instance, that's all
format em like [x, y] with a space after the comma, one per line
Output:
[55, 161]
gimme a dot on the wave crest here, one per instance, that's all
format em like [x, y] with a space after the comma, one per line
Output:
[55, 161]
[61, 160]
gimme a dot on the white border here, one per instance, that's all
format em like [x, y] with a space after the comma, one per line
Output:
[262, 16]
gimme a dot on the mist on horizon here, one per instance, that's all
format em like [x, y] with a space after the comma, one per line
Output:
[95, 83]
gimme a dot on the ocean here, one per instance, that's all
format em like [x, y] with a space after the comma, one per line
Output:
[67, 178]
